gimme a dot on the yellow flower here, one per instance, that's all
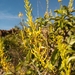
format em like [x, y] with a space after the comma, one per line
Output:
[20, 14]
[46, 15]
[59, 0]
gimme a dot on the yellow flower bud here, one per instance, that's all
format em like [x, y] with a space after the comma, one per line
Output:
[20, 14]
[59, 0]
[46, 15]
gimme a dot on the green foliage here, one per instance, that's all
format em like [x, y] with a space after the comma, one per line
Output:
[46, 47]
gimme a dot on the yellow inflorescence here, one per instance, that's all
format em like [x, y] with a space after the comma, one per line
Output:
[20, 14]
[2, 57]
[59, 0]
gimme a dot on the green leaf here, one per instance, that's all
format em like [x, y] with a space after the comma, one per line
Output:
[58, 11]
[9, 73]
[28, 57]
[67, 22]
[71, 58]
[54, 57]
[70, 51]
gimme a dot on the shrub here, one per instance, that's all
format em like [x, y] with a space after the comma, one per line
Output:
[45, 47]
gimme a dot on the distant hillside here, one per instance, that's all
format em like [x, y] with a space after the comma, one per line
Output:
[7, 32]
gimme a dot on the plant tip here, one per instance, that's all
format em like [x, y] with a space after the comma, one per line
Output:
[59, 0]
[20, 14]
